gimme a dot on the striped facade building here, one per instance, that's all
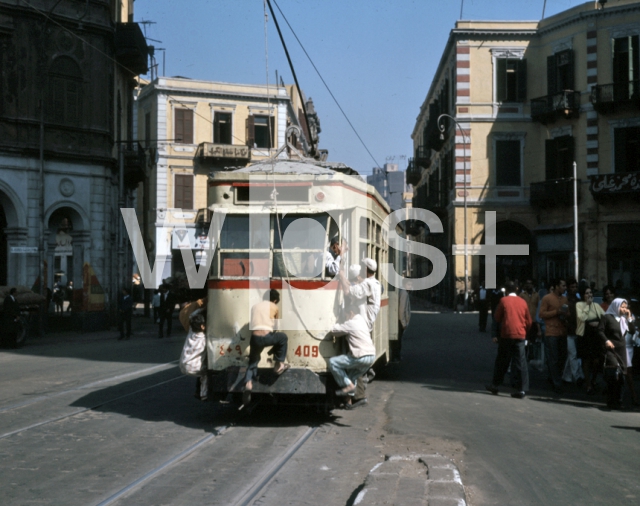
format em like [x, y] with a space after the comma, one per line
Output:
[529, 99]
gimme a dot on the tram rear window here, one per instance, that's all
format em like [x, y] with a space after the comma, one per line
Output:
[235, 232]
[264, 193]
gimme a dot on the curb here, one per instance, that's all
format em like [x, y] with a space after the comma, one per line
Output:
[409, 480]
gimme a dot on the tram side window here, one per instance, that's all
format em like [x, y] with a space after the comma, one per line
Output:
[235, 232]
[304, 238]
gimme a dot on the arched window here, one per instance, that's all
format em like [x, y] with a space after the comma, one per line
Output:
[65, 81]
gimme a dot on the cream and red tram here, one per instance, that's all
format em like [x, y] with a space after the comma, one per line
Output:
[263, 202]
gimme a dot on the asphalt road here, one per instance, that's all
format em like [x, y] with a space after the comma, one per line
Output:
[91, 420]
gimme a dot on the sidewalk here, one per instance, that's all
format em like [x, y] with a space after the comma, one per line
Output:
[141, 327]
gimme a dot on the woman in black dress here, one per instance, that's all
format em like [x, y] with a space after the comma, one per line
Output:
[588, 316]
[614, 325]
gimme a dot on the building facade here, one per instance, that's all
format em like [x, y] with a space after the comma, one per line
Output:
[529, 99]
[67, 160]
[391, 184]
[193, 127]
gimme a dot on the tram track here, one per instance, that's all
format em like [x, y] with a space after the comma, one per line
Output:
[84, 410]
[247, 496]
[86, 386]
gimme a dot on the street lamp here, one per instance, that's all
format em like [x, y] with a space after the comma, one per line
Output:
[464, 179]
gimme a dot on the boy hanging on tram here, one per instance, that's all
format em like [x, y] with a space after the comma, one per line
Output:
[263, 321]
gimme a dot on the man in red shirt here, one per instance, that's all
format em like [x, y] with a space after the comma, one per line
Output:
[513, 313]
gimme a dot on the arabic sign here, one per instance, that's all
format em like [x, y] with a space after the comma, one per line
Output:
[226, 151]
[615, 183]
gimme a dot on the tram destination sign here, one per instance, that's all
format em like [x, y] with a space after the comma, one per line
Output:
[23, 249]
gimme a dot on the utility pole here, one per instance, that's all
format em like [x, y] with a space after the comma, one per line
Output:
[576, 265]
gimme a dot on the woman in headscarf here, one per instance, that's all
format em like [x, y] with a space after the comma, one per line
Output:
[588, 316]
[614, 325]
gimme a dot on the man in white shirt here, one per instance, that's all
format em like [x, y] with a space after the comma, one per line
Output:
[366, 295]
[362, 353]
[368, 291]
[333, 256]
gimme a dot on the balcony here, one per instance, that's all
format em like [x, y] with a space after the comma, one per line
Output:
[414, 173]
[565, 104]
[610, 98]
[135, 164]
[552, 193]
[131, 48]
[422, 157]
[607, 188]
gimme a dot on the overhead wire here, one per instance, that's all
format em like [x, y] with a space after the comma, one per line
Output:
[327, 86]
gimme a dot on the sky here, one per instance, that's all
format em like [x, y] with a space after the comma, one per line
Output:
[378, 57]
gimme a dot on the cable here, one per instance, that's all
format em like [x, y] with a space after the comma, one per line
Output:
[295, 77]
[327, 86]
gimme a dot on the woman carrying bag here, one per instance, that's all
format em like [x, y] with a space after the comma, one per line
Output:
[614, 325]
[588, 316]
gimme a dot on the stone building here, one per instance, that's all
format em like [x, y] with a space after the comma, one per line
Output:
[193, 127]
[529, 99]
[67, 75]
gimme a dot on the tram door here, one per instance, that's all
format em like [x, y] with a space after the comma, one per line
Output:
[393, 259]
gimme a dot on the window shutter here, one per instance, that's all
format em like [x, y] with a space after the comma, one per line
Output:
[522, 80]
[188, 126]
[178, 122]
[620, 149]
[183, 191]
[571, 70]
[216, 128]
[272, 130]
[550, 159]
[501, 80]
[565, 156]
[251, 131]
[552, 76]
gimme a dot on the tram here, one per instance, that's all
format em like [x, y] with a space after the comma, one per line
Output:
[280, 217]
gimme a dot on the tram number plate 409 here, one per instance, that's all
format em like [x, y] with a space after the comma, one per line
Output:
[307, 351]
[227, 348]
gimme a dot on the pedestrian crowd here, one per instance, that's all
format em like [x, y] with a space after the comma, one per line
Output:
[575, 337]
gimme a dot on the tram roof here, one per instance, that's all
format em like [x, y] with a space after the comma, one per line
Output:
[288, 167]
[306, 167]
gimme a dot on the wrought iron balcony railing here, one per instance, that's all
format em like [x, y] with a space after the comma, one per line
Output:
[414, 173]
[608, 98]
[552, 193]
[565, 104]
[135, 164]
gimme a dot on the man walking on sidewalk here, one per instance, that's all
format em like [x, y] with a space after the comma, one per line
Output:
[513, 315]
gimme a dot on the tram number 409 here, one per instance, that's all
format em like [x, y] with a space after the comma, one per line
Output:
[307, 351]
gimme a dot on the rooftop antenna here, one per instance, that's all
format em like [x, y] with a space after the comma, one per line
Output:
[144, 24]
[462, 7]
[544, 7]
